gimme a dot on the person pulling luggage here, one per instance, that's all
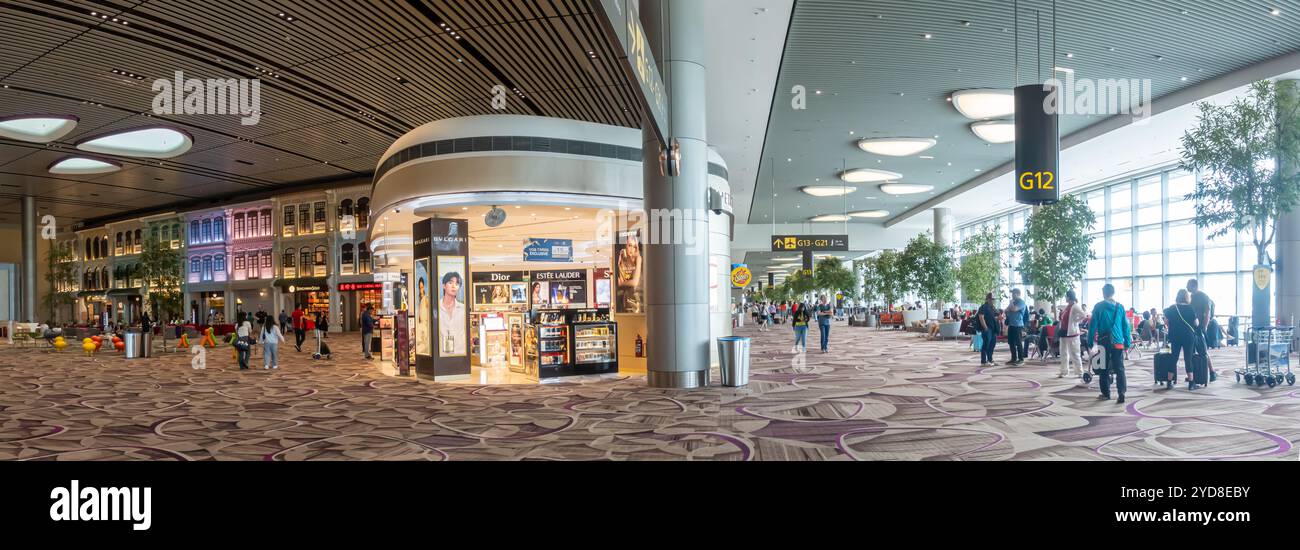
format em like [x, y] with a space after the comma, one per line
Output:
[1111, 331]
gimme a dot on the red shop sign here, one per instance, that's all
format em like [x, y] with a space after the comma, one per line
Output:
[349, 287]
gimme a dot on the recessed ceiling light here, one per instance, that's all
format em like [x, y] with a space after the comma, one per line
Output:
[896, 147]
[1276, 11]
[870, 214]
[83, 166]
[1069, 56]
[828, 191]
[995, 131]
[149, 142]
[905, 188]
[37, 128]
[830, 218]
[867, 175]
[927, 157]
[985, 103]
[928, 36]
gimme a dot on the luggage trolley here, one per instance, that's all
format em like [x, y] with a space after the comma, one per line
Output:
[1268, 357]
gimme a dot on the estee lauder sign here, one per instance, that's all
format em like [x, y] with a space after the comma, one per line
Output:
[559, 275]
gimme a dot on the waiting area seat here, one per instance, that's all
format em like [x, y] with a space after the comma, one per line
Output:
[894, 320]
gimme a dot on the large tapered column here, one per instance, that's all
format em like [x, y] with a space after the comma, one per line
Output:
[29, 306]
[943, 226]
[677, 258]
[1288, 239]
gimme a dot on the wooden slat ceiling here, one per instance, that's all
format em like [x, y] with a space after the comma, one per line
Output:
[351, 77]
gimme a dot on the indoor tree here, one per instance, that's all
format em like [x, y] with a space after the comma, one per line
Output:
[891, 277]
[930, 270]
[59, 279]
[1237, 150]
[870, 276]
[831, 276]
[161, 268]
[980, 272]
[1056, 247]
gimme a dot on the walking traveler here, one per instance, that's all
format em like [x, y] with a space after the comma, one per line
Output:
[243, 344]
[824, 316]
[271, 338]
[299, 327]
[1113, 334]
[988, 326]
[1184, 334]
[367, 330]
[1017, 316]
[799, 319]
[1071, 355]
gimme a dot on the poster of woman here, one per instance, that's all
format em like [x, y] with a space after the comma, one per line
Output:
[423, 332]
[629, 267]
[452, 315]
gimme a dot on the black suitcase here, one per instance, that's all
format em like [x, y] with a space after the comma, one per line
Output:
[1200, 370]
[1166, 369]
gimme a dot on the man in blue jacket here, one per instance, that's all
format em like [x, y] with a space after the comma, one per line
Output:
[1110, 329]
[367, 330]
[1017, 316]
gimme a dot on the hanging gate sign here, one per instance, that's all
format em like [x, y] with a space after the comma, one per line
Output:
[1038, 147]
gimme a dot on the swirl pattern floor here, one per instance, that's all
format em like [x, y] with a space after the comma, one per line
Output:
[880, 396]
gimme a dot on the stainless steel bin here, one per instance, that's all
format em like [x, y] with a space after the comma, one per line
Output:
[132, 340]
[733, 357]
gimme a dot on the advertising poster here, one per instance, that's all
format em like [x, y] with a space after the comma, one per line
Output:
[629, 266]
[452, 315]
[402, 344]
[604, 287]
[564, 289]
[423, 326]
[541, 295]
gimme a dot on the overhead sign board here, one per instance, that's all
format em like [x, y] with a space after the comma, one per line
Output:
[548, 250]
[810, 243]
[622, 21]
[1038, 147]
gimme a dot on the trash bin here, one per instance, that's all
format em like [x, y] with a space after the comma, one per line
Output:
[733, 355]
[131, 340]
[146, 344]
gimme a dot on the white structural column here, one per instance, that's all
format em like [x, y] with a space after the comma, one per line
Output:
[28, 279]
[943, 222]
[677, 258]
[1287, 276]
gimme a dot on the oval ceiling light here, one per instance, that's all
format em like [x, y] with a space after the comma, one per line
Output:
[37, 128]
[83, 166]
[905, 188]
[829, 218]
[158, 142]
[867, 175]
[896, 147]
[828, 191]
[985, 103]
[871, 214]
[995, 131]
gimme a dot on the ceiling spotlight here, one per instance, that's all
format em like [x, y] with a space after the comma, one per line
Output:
[995, 131]
[870, 214]
[1069, 55]
[928, 36]
[37, 128]
[985, 103]
[905, 188]
[896, 147]
[828, 191]
[1275, 11]
[867, 175]
[829, 218]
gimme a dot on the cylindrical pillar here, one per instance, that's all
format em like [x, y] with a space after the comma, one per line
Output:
[28, 279]
[677, 250]
[943, 222]
[1287, 265]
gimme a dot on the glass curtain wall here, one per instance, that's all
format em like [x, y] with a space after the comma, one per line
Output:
[1147, 246]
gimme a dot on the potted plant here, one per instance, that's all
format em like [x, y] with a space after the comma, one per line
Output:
[980, 271]
[891, 277]
[871, 286]
[1237, 150]
[1056, 247]
[931, 271]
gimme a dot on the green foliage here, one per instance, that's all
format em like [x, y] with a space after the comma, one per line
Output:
[980, 272]
[930, 269]
[830, 275]
[870, 274]
[1237, 149]
[1056, 247]
[892, 276]
[161, 268]
[58, 274]
[798, 285]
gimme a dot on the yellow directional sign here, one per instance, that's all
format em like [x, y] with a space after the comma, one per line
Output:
[813, 243]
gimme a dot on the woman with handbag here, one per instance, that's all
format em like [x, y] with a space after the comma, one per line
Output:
[1111, 330]
[243, 344]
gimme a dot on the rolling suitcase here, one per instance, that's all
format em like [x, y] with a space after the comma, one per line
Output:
[1200, 371]
[1166, 369]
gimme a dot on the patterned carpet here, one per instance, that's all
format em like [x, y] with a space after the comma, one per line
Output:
[879, 396]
